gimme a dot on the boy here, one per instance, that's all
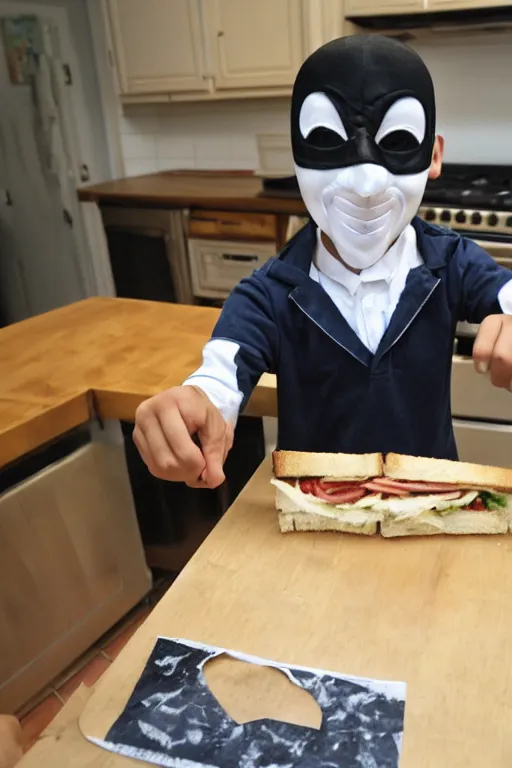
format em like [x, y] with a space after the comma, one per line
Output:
[357, 315]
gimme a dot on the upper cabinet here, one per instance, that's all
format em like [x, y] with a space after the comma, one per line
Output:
[381, 7]
[359, 8]
[158, 46]
[255, 44]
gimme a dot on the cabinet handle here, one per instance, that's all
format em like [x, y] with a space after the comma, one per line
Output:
[238, 257]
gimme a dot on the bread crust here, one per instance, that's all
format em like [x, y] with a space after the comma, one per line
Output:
[477, 476]
[290, 522]
[303, 464]
[460, 523]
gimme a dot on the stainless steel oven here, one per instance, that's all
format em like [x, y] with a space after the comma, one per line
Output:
[482, 414]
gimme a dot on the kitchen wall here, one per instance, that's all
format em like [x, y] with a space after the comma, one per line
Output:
[474, 95]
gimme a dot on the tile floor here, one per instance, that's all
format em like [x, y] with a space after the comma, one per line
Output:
[39, 713]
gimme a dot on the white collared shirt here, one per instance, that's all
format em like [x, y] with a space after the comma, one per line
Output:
[367, 300]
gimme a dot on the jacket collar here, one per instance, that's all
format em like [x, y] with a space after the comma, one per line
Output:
[294, 262]
[293, 265]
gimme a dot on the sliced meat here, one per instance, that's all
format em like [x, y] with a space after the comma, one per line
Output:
[335, 486]
[417, 487]
[377, 487]
[340, 497]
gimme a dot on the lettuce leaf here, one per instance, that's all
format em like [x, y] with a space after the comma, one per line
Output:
[494, 501]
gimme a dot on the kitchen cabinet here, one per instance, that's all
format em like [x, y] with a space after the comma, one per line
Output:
[355, 8]
[461, 5]
[381, 7]
[158, 46]
[255, 44]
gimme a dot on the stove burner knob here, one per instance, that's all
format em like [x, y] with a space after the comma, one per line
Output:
[509, 221]
[430, 214]
[460, 217]
[446, 215]
[492, 220]
[476, 218]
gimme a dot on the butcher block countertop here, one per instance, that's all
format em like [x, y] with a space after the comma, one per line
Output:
[236, 191]
[432, 612]
[100, 356]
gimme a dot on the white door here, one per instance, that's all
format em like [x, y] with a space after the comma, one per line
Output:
[377, 7]
[44, 261]
[257, 44]
[158, 44]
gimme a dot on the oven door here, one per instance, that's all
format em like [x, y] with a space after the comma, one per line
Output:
[483, 442]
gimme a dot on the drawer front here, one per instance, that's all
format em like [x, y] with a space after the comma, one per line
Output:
[217, 267]
[233, 225]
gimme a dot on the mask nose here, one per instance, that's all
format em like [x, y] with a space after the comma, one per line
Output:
[366, 180]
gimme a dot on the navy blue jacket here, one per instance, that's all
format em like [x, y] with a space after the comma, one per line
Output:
[333, 393]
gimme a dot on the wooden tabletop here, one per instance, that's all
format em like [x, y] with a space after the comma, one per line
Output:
[101, 354]
[433, 612]
[173, 189]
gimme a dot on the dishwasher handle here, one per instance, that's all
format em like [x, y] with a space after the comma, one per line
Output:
[240, 257]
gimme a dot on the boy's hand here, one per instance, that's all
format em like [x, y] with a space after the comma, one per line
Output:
[164, 427]
[10, 741]
[492, 351]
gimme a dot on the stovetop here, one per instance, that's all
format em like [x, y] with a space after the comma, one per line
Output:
[484, 187]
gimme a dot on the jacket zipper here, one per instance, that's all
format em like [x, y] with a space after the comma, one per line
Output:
[327, 333]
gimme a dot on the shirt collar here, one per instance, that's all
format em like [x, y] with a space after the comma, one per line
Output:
[404, 249]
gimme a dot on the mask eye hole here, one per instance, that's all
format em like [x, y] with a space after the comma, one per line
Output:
[399, 141]
[324, 138]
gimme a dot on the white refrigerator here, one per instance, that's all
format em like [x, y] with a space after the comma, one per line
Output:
[45, 260]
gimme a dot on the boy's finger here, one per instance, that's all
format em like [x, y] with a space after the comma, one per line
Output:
[212, 437]
[186, 453]
[501, 362]
[485, 342]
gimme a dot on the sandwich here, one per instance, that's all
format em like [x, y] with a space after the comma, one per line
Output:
[445, 497]
[403, 495]
[326, 491]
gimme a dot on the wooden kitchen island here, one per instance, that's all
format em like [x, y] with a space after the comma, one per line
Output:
[72, 560]
[99, 357]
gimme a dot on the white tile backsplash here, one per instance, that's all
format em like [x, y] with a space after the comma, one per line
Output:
[474, 106]
[138, 166]
[139, 146]
[168, 145]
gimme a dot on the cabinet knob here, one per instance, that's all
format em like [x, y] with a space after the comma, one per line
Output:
[220, 33]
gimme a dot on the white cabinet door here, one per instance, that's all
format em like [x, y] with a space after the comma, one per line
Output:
[378, 7]
[256, 44]
[461, 5]
[158, 45]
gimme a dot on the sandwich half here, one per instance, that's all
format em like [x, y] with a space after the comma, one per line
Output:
[326, 491]
[430, 496]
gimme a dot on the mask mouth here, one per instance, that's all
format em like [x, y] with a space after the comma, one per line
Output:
[365, 215]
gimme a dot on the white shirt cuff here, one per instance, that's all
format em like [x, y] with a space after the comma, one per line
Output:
[505, 298]
[223, 398]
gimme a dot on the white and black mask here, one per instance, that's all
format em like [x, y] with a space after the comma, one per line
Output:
[363, 132]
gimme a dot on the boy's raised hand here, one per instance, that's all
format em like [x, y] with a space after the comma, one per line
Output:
[165, 426]
[492, 351]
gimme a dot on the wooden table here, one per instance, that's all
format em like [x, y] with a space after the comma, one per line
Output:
[433, 612]
[101, 356]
